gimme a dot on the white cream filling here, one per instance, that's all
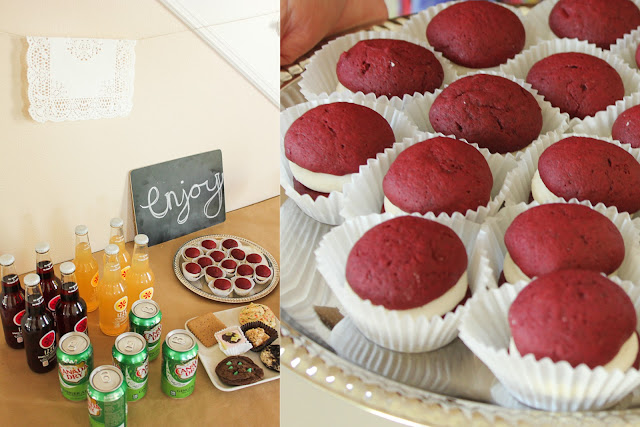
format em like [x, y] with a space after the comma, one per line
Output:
[391, 208]
[438, 307]
[623, 360]
[513, 273]
[317, 181]
[540, 192]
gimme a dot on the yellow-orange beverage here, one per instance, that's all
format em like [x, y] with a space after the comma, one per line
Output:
[87, 275]
[140, 278]
[117, 238]
[112, 292]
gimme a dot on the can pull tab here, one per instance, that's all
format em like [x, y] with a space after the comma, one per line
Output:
[129, 345]
[148, 310]
[106, 377]
[178, 340]
[72, 344]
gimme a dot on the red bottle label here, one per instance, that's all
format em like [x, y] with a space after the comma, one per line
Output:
[52, 303]
[81, 326]
[18, 317]
[48, 340]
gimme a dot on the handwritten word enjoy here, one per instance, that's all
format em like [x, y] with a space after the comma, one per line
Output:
[153, 196]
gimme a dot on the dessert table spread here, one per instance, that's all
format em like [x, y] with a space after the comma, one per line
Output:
[35, 399]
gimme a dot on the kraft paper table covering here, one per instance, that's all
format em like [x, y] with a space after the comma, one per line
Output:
[35, 399]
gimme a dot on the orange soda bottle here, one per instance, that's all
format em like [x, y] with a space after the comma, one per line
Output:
[117, 238]
[87, 275]
[140, 278]
[112, 292]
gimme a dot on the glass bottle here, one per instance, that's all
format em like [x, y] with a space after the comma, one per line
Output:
[140, 278]
[71, 310]
[87, 275]
[112, 293]
[49, 282]
[117, 238]
[38, 330]
[12, 306]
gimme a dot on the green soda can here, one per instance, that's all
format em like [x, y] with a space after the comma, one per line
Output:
[144, 319]
[130, 355]
[75, 362]
[107, 398]
[179, 364]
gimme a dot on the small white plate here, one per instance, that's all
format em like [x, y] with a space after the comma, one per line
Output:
[211, 356]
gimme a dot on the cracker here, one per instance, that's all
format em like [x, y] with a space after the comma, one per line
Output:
[204, 328]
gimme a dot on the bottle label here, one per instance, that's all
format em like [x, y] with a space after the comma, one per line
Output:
[124, 271]
[73, 287]
[18, 317]
[121, 304]
[95, 279]
[81, 326]
[53, 301]
[11, 279]
[39, 300]
[47, 266]
[48, 340]
[147, 293]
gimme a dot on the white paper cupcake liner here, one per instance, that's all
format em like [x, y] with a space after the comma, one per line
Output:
[319, 78]
[626, 48]
[522, 63]
[417, 109]
[490, 241]
[541, 384]
[602, 123]
[236, 349]
[327, 209]
[417, 27]
[538, 17]
[365, 195]
[392, 329]
[517, 184]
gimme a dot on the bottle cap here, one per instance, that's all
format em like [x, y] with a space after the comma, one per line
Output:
[141, 239]
[81, 230]
[42, 247]
[67, 268]
[116, 222]
[7, 259]
[111, 249]
[31, 279]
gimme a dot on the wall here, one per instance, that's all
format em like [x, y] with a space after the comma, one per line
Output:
[187, 100]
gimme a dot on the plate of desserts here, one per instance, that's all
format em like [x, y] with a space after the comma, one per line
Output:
[226, 268]
[239, 347]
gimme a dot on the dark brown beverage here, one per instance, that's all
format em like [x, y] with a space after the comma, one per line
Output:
[49, 282]
[38, 330]
[12, 303]
[71, 310]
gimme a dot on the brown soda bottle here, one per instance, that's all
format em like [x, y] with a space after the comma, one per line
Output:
[12, 305]
[38, 330]
[71, 310]
[49, 282]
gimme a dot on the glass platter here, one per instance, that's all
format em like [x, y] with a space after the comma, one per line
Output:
[200, 286]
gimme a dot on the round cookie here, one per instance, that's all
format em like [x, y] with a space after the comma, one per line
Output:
[406, 262]
[562, 236]
[389, 67]
[573, 315]
[600, 22]
[238, 370]
[576, 83]
[494, 112]
[476, 34]
[335, 139]
[438, 175]
[590, 169]
[626, 128]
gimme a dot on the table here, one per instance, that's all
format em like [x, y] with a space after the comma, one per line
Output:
[35, 399]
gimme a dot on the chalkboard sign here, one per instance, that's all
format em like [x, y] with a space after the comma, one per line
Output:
[178, 197]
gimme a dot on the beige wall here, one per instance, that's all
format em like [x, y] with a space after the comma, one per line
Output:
[186, 100]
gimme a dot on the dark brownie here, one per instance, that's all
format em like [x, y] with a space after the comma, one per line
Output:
[238, 370]
[439, 175]
[561, 236]
[494, 112]
[406, 262]
[476, 34]
[600, 22]
[591, 169]
[574, 315]
[576, 83]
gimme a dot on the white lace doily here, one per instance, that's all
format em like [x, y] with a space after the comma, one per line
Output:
[79, 79]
